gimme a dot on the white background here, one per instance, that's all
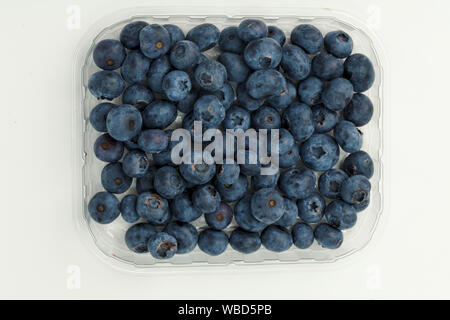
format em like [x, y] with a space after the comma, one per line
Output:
[40, 249]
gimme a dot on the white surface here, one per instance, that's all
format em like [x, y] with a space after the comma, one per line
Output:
[40, 249]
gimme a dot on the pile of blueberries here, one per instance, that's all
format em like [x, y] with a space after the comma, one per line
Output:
[310, 88]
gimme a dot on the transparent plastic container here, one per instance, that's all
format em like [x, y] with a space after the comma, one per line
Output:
[107, 241]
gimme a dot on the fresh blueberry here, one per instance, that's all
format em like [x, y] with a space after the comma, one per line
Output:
[320, 152]
[184, 55]
[362, 206]
[285, 141]
[135, 67]
[265, 83]
[310, 91]
[153, 208]
[206, 198]
[290, 214]
[237, 118]
[176, 34]
[246, 100]
[158, 69]
[106, 85]
[311, 209]
[297, 183]
[114, 180]
[124, 122]
[135, 164]
[225, 95]
[339, 44]
[260, 181]
[359, 163]
[185, 234]
[228, 173]
[129, 36]
[277, 34]
[327, 67]
[295, 62]
[263, 53]
[168, 182]
[176, 85]
[104, 207]
[337, 94]
[307, 37]
[348, 136]
[209, 110]
[266, 118]
[249, 162]
[302, 235]
[136, 237]
[330, 183]
[198, 174]
[109, 54]
[145, 183]
[340, 215]
[98, 116]
[237, 70]
[359, 70]
[285, 98]
[153, 140]
[205, 35]
[164, 158]
[132, 144]
[210, 75]
[162, 246]
[137, 95]
[232, 192]
[267, 205]
[159, 115]
[154, 41]
[297, 118]
[128, 208]
[244, 217]
[244, 241]
[290, 158]
[229, 41]
[212, 242]
[355, 190]
[359, 110]
[183, 209]
[324, 119]
[276, 238]
[328, 237]
[108, 149]
[251, 29]
[221, 218]
[187, 104]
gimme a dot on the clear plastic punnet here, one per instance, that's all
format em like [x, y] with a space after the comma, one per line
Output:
[107, 241]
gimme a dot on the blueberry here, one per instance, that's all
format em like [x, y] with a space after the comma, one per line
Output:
[164, 158]
[244, 241]
[285, 98]
[145, 183]
[340, 215]
[330, 183]
[285, 141]
[176, 34]
[229, 41]
[307, 37]
[206, 198]
[162, 246]
[339, 44]
[198, 173]
[359, 70]
[158, 69]
[337, 94]
[132, 144]
[176, 85]
[106, 85]
[128, 208]
[244, 217]
[153, 208]
[104, 208]
[355, 190]
[266, 118]
[311, 209]
[114, 180]
[210, 75]
[168, 182]
[129, 36]
[362, 206]
[183, 209]
[135, 67]
[267, 205]
[159, 115]
[228, 173]
[246, 100]
[109, 54]
[108, 149]
[320, 152]
[237, 118]
[135, 164]
[153, 140]
[209, 110]
[265, 83]
[327, 67]
[276, 238]
[295, 62]
[263, 53]
[136, 237]
[154, 41]
[184, 55]
[187, 104]
[290, 214]
[359, 163]
[225, 95]
[234, 191]
[212, 242]
[310, 91]
[297, 118]
[185, 234]
[348, 136]
[359, 110]
[251, 29]
[324, 119]
[328, 237]
[137, 95]
[302, 235]
[277, 34]
[290, 158]
[297, 183]
[205, 35]
[250, 164]
[98, 115]
[260, 181]
[221, 218]
[237, 70]
[124, 122]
